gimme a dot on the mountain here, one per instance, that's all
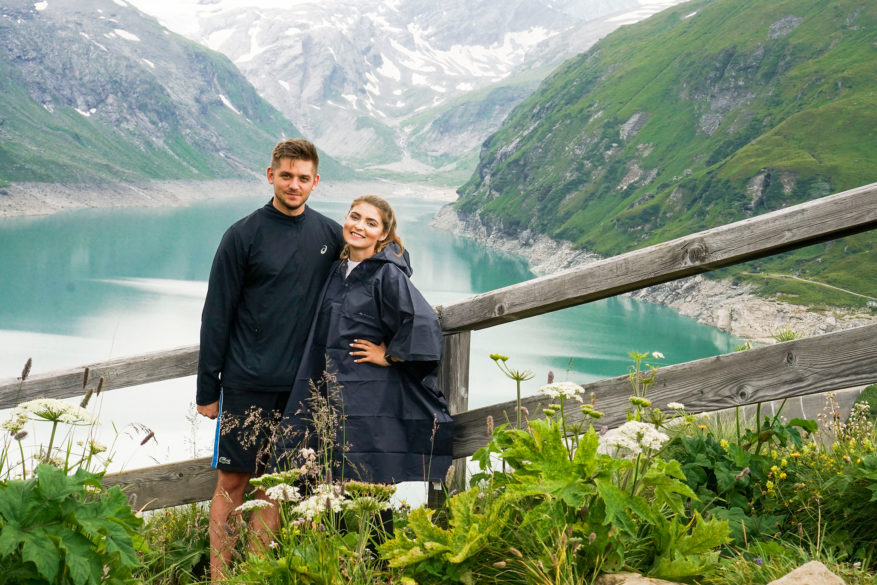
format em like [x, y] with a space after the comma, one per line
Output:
[94, 90]
[409, 86]
[705, 114]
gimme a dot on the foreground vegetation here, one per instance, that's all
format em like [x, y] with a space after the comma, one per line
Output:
[556, 498]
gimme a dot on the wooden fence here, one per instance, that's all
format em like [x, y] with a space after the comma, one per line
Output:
[795, 368]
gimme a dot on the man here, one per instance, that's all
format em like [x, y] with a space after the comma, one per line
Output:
[264, 284]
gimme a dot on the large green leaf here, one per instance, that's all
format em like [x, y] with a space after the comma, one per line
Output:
[39, 549]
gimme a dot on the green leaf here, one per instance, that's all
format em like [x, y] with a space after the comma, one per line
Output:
[39, 549]
[808, 425]
[82, 562]
[616, 501]
[54, 484]
[10, 537]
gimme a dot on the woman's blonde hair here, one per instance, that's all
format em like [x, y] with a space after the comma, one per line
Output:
[388, 218]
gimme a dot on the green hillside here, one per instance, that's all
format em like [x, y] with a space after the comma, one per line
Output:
[94, 90]
[702, 115]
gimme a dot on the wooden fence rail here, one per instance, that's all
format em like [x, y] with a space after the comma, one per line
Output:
[795, 368]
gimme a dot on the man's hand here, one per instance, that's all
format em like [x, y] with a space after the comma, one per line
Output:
[211, 411]
[368, 352]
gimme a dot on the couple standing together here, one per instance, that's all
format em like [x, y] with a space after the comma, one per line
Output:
[293, 295]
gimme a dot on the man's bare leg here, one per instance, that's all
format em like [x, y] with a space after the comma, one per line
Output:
[263, 524]
[229, 494]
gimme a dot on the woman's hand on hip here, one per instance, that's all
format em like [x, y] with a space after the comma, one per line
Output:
[367, 352]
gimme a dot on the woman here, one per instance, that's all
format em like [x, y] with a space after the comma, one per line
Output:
[380, 343]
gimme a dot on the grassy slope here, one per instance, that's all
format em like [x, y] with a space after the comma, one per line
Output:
[798, 106]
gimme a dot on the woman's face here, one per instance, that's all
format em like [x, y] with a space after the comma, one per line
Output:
[363, 229]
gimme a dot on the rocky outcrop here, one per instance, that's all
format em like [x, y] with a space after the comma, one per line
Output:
[813, 573]
[721, 303]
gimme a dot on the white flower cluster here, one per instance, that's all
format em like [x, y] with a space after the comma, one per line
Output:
[324, 499]
[563, 390]
[52, 410]
[253, 505]
[283, 492]
[631, 439]
[675, 406]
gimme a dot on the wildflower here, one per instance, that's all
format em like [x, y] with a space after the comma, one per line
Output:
[702, 427]
[783, 475]
[93, 446]
[16, 423]
[588, 410]
[324, 499]
[252, 505]
[637, 401]
[449, 475]
[724, 444]
[268, 480]
[368, 505]
[283, 492]
[54, 410]
[563, 390]
[657, 355]
[633, 438]
[675, 406]
[758, 561]
[769, 485]
[795, 454]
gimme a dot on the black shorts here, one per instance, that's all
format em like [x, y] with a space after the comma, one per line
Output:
[246, 429]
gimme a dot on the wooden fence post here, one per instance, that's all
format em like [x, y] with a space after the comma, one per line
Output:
[454, 382]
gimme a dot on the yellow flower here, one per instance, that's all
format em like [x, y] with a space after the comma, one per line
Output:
[783, 475]
[724, 444]
[784, 462]
[702, 427]
[795, 454]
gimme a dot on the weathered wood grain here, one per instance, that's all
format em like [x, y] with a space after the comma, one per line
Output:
[119, 373]
[454, 382]
[815, 221]
[167, 485]
[795, 368]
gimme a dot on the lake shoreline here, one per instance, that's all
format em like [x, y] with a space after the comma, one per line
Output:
[35, 199]
[730, 307]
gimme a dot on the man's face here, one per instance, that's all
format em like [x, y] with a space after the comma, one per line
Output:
[293, 182]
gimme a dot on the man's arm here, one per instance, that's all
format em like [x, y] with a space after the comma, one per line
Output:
[220, 305]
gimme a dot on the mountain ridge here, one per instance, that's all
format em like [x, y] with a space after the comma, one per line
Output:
[704, 114]
[95, 91]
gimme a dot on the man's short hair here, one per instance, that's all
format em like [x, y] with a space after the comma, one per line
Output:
[295, 149]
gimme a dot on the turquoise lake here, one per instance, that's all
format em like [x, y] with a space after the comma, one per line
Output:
[92, 285]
